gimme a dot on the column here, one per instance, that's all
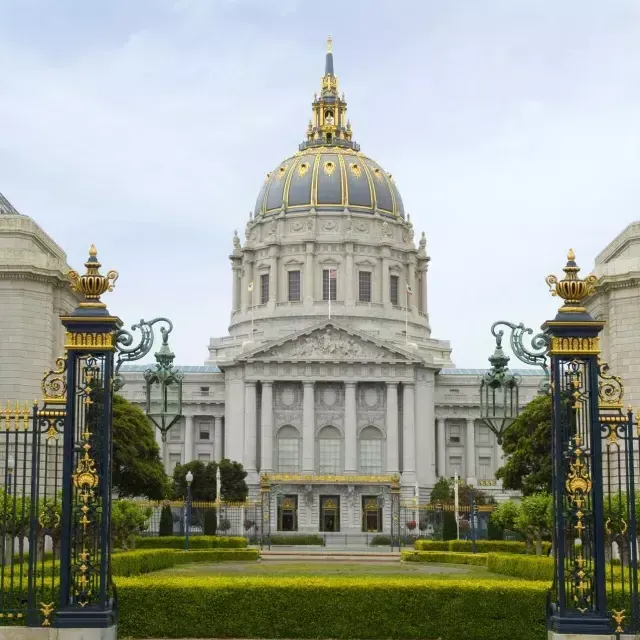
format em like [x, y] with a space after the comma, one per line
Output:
[409, 433]
[267, 427]
[385, 299]
[442, 469]
[217, 438]
[471, 448]
[423, 287]
[248, 278]
[350, 429]
[348, 286]
[273, 275]
[308, 293]
[158, 436]
[188, 438]
[234, 415]
[392, 428]
[308, 427]
[249, 458]
[425, 428]
[412, 283]
[236, 286]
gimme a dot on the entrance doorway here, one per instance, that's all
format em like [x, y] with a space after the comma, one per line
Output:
[288, 513]
[371, 515]
[330, 513]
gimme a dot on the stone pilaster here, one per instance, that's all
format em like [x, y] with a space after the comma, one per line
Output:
[350, 429]
[408, 434]
[392, 428]
[217, 439]
[189, 428]
[442, 449]
[308, 428]
[250, 429]
[470, 449]
[266, 465]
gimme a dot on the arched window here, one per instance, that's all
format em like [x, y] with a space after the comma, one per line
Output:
[288, 450]
[371, 451]
[329, 451]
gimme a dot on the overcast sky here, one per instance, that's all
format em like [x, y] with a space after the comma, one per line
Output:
[511, 127]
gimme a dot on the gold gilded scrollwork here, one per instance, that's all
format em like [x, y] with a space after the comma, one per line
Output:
[46, 610]
[618, 617]
[610, 388]
[85, 475]
[54, 384]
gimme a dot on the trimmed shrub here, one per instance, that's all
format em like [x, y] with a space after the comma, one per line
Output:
[210, 522]
[449, 529]
[380, 541]
[195, 542]
[330, 607]
[494, 531]
[444, 557]
[283, 540]
[431, 545]
[137, 562]
[166, 521]
[519, 566]
[493, 546]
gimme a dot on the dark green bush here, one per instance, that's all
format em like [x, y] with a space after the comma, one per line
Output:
[445, 557]
[494, 531]
[195, 542]
[521, 566]
[380, 541]
[283, 540]
[331, 607]
[449, 529]
[166, 521]
[210, 522]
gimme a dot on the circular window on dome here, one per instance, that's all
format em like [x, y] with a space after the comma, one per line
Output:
[303, 167]
[329, 167]
[355, 169]
[281, 171]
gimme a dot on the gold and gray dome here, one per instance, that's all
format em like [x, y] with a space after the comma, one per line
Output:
[329, 172]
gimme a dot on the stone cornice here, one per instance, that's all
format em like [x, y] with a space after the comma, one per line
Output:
[23, 225]
[619, 242]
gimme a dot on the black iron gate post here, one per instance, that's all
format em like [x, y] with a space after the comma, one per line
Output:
[87, 597]
[578, 604]
[265, 503]
[395, 513]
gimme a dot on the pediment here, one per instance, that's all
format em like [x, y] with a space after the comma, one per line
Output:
[330, 342]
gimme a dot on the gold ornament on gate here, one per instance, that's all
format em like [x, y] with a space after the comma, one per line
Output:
[572, 289]
[92, 283]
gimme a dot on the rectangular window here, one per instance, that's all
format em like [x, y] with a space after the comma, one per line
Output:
[371, 457]
[455, 465]
[393, 289]
[364, 286]
[454, 434]
[294, 286]
[264, 288]
[329, 456]
[205, 432]
[204, 457]
[484, 435]
[204, 390]
[484, 468]
[175, 433]
[174, 461]
[329, 284]
[288, 455]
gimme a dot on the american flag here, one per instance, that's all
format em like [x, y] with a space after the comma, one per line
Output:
[332, 274]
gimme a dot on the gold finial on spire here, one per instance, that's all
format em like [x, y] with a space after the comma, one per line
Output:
[92, 283]
[329, 44]
[571, 288]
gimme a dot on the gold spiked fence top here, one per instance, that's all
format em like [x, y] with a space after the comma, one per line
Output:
[15, 417]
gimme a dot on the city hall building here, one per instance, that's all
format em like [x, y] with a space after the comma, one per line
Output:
[329, 383]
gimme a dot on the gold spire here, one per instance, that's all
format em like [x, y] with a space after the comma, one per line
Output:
[329, 44]
[92, 284]
[571, 288]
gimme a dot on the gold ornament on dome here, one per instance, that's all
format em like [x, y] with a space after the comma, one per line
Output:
[92, 284]
[572, 289]
[355, 169]
[329, 167]
[281, 171]
[303, 167]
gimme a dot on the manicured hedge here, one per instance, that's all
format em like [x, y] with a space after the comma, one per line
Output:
[519, 566]
[330, 607]
[284, 540]
[482, 546]
[136, 562]
[195, 542]
[445, 557]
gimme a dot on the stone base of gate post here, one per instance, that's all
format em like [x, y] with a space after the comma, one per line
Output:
[554, 635]
[51, 633]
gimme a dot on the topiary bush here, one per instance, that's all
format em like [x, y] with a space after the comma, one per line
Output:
[166, 521]
[380, 541]
[521, 566]
[331, 607]
[283, 540]
[195, 542]
[210, 522]
[449, 529]
[445, 557]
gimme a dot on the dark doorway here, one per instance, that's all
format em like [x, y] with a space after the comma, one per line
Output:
[330, 513]
[371, 514]
[288, 514]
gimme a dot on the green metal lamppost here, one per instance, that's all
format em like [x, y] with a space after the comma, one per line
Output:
[164, 389]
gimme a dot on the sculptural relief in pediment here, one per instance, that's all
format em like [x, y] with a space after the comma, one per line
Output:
[330, 343]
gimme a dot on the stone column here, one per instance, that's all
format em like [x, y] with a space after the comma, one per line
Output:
[236, 287]
[308, 293]
[413, 301]
[267, 427]
[250, 428]
[188, 438]
[348, 286]
[425, 428]
[217, 438]
[350, 429]
[423, 287]
[308, 428]
[441, 448]
[409, 434]
[234, 414]
[393, 465]
[273, 276]
[470, 448]
[386, 288]
[247, 295]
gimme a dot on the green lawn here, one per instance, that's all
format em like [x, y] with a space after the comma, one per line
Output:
[329, 569]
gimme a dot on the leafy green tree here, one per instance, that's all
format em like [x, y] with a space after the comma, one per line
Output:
[535, 518]
[15, 512]
[127, 521]
[233, 480]
[616, 515]
[203, 487]
[527, 447]
[442, 491]
[137, 468]
[166, 521]
[505, 515]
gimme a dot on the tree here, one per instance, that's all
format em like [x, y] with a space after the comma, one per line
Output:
[527, 445]
[232, 478]
[616, 515]
[166, 521]
[535, 518]
[127, 520]
[137, 468]
[441, 491]
[203, 487]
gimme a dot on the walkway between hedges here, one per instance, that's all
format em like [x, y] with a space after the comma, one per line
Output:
[320, 554]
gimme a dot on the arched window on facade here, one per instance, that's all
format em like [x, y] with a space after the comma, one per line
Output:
[371, 457]
[288, 449]
[329, 458]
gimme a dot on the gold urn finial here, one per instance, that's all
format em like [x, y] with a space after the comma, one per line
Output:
[572, 289]
[92, 284]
